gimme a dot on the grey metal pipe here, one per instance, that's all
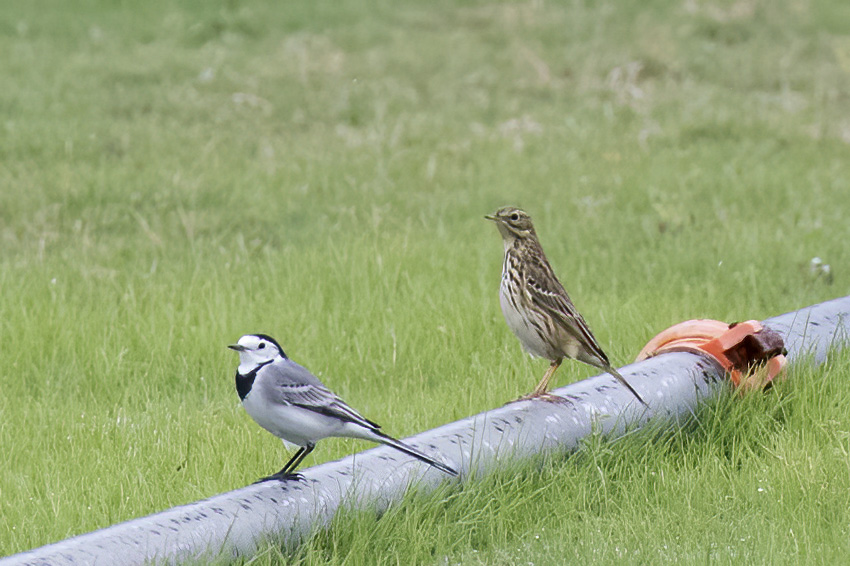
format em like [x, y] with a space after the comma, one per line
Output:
[234, 523]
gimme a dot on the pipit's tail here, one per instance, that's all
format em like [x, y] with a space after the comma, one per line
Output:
[622, 380]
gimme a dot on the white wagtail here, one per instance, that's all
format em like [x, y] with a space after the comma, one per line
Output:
[292, 404]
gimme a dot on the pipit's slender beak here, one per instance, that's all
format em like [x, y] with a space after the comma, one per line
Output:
[237, 347]
[491, 217]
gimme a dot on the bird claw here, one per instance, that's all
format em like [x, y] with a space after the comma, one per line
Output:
[280, 477]
[548, 397]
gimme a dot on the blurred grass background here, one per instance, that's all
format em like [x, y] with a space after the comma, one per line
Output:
[176, 174]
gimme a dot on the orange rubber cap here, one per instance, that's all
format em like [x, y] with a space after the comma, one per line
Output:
[751, 354]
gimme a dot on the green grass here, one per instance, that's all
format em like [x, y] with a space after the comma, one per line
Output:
[759, 480]
[176, 174]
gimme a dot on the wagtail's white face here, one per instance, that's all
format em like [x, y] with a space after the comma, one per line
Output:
[256, 350]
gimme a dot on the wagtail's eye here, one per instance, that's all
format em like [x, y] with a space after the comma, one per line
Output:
[514, 216]
[261, 346]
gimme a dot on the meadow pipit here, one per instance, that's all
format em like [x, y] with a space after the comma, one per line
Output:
[538, 309]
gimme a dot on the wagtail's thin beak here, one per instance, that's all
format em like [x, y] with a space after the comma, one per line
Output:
[237, 347]
[491, 217]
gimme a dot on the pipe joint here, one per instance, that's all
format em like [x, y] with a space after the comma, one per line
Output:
[751, 354]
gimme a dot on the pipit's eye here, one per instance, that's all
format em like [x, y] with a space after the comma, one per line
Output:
[261, 346]
[514, 216]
